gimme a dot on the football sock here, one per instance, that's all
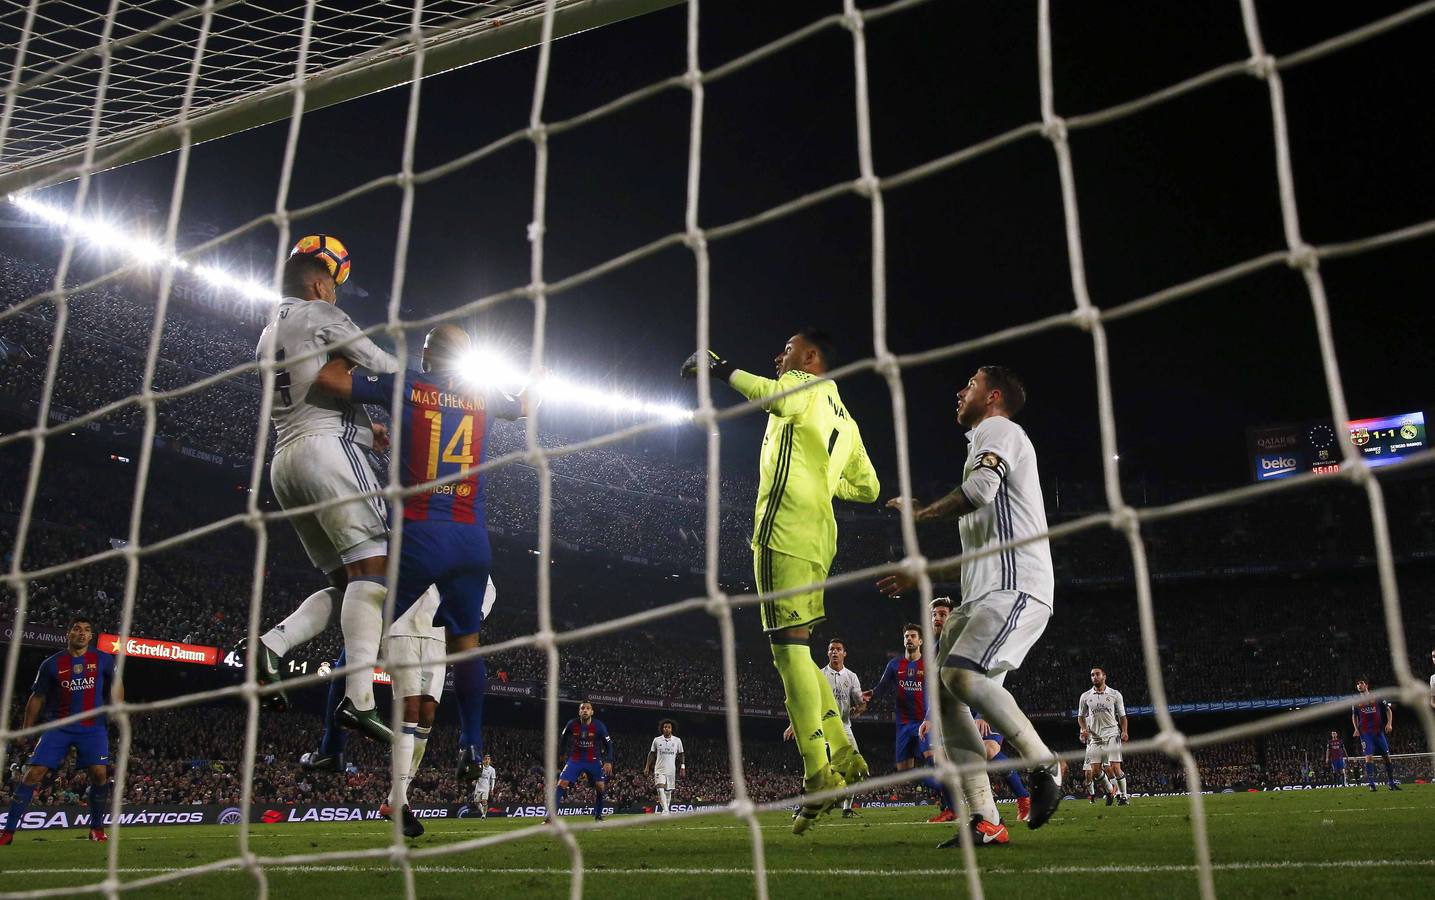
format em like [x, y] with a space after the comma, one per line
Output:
[20, 801]
[965, 747]
[1013, 778]
[804, 702]
[846, 802]
[403, 751]
[1121, 783]
[362, 619]
[99, 795]
[303, 624]
[421, 743]
[1370, 772]
[558, 795]
[597, 803]
[1389, 768]
[1000, 708]
[832, 728]
[335, 738]
[1106, 786]
[470, 680]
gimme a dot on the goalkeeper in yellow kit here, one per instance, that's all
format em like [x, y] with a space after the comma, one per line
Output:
[812, 452]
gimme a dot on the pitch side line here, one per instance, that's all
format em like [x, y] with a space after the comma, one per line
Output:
[879, 873]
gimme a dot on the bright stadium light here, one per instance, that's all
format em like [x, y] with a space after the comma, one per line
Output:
[110, 238]
[484, 367]
[489, 369]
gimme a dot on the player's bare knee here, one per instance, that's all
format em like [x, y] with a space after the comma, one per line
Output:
[373, 566]
[428, 711]
[411, 709]
[35, 774]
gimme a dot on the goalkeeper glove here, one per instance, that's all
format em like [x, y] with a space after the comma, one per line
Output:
[719, 367]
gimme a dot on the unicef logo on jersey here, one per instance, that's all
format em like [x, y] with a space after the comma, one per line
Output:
[231, 816]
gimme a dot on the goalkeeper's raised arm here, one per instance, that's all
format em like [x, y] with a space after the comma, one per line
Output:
[812, 452]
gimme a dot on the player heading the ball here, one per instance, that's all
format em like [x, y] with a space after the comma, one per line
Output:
[812, 451]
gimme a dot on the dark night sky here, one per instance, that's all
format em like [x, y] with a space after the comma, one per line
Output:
[1164, 196]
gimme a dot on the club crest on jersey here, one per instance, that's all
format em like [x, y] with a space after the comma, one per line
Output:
[78, 669]
[988, 460]
[91, 667]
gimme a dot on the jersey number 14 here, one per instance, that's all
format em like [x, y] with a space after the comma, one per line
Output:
[459, 448]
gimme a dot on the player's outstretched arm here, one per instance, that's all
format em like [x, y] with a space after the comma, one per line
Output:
[361, 351]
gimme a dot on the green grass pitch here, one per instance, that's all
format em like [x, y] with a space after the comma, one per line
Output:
[1305, 844]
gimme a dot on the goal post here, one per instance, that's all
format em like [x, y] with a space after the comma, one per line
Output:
[488, 31]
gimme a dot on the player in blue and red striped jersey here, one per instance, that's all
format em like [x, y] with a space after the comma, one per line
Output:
[590, 752]
[1373, 720]
[444, 421]
[75, 680]
[1335, 758]
[906, 676]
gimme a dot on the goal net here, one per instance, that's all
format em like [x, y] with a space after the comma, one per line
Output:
[91, 90]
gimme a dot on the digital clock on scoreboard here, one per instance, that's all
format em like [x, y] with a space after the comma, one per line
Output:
[1280, 451]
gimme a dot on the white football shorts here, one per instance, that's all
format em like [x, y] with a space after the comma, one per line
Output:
[1106, 750]
[424, 679]
[664, 781]
[996, 630]
[324, 467]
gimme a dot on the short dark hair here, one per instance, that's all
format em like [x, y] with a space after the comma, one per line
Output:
[823, 342]
[839, 642]
[1098, 669]
[78, 619]
[300, 269]
[1011, 385]
[587, 701]
[668, 722]
[912, 626]
[942, 601]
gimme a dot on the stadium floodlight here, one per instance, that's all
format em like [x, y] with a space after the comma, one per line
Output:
[111, 238]
[487, 368]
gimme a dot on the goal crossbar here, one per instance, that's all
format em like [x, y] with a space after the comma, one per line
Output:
[482, 36]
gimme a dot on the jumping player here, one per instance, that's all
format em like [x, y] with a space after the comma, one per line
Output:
[1373, 720]
[75, 680]
[812, 452]
[445, 424]
[591, 754]
[1335, 758]
[1006, 597]
[319, 456]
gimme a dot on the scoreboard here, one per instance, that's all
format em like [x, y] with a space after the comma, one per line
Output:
[1280, 451]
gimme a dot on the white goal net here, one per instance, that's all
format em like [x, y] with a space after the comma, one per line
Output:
[91, 89]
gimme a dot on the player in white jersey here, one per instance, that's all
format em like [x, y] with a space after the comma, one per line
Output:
[320, 456]
[484, 786]
[1101, 713]
[665, 761]
[1006, 596]
[414, 649]
[847, 691]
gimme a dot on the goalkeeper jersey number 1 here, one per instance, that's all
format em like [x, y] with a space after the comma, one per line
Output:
[812, 452]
